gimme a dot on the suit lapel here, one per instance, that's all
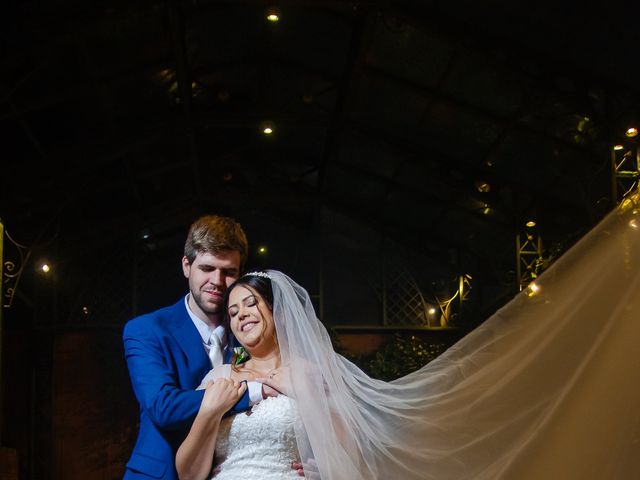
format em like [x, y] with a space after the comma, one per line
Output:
[188, 338]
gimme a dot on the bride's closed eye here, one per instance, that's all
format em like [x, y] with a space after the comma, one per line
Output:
[248, 302]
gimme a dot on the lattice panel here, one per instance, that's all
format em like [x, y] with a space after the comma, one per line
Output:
[402, 299]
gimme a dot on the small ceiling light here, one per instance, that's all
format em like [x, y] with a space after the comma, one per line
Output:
[45, 268]
[262, 250]
[618, 147]
[432, 311]
[633, 224]
[273, 15]
[631, 132]
[487, 209]
[530, 224]
[482, 186]
[85, 310]
[267, 128]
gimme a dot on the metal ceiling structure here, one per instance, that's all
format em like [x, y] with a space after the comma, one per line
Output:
[415, 132]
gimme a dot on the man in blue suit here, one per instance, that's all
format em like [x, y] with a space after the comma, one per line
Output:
[170, 350]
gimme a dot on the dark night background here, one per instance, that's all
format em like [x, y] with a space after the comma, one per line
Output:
[411, 142]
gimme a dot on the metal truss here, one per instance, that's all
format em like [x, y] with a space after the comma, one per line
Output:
[625, 169]
[528, 258]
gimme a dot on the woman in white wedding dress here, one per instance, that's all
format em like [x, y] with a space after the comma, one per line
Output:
[259, 444]
[545, 389]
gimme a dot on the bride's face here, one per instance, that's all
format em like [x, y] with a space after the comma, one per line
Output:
[250, 318]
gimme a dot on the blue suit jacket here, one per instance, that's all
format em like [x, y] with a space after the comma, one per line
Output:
[166, 361]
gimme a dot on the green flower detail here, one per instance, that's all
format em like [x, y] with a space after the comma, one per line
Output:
[241, 356]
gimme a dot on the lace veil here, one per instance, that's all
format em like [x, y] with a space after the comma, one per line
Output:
[545, 388]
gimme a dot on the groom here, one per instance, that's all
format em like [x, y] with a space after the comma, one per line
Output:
[169, 351]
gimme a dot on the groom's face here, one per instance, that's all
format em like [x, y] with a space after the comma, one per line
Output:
[209, 276]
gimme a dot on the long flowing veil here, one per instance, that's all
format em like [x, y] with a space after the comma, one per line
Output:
[547, 388]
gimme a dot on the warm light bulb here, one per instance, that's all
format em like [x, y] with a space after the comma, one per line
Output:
[631, 132]
[262, 250]
[532, 289]
[267, 130]
[618, 147]
[45, 268]
[432, 311]
[530, 224]
[483, 186]
[273, 17]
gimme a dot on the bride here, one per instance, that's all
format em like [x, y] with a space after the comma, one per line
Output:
[545, 388]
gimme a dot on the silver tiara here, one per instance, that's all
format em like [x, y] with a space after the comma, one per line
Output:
[258, 274]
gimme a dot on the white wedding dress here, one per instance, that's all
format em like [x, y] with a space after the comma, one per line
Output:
[259, 444]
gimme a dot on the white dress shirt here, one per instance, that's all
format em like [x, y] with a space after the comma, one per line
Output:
[205, 330]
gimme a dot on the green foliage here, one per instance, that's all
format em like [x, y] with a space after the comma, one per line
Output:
[402, 356]
[397, 358]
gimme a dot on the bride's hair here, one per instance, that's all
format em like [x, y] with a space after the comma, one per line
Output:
[259, 283]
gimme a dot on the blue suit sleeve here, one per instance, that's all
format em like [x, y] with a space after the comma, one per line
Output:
[155, 384]
[242, 405]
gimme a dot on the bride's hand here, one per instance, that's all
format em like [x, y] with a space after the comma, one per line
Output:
[221, 395]
[279, 380]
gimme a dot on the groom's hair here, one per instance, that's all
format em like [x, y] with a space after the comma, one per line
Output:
[214, 234]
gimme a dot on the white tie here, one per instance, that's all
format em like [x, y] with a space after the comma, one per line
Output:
[215, 350]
